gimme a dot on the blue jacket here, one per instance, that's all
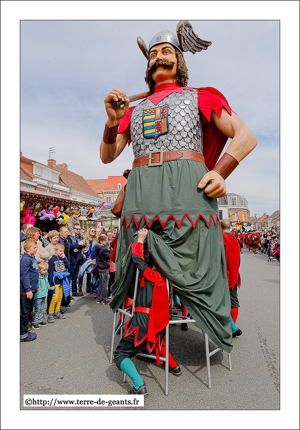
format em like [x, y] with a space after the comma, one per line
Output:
[75, 256]
[29, 274]
[44, 286]
[57, 264]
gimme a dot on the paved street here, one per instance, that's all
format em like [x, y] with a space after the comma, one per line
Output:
[71, 356]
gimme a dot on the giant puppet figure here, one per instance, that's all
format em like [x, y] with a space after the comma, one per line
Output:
[177, 135]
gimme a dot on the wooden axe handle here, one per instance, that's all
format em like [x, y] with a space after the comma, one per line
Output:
[133, 98]
[139, 96]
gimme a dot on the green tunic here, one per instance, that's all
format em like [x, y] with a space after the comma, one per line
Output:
[185, 240]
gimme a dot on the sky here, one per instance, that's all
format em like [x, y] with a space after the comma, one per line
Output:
[54, 77]
[68, 67]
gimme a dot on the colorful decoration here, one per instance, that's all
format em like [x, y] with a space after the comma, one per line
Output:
[45, 214]
[28, 218]
[62, 218]
[55, 210]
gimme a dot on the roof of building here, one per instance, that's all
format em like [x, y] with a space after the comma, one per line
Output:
[113, 181]
[26, 164]
[22, 158]
[97, 185]
[264, 217]
[72, 180]
[26, 171]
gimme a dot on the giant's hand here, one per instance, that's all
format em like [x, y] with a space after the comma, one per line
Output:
[116, 111]
[214, 184]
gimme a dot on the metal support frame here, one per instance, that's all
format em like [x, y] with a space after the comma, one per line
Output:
[125, 312]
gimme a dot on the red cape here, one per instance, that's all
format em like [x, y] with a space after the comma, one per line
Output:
[114, 247]
[232, 252]
[209, 99]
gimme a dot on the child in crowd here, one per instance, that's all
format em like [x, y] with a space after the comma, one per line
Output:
[40, 297]
[58, 266]
[103, 251]
[72, 220]
[44, 239]
[29, 274]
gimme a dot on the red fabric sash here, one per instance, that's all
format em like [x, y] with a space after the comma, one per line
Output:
[114, 246]
[142, 310]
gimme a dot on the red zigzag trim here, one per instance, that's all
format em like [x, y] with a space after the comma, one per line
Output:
[137, 223]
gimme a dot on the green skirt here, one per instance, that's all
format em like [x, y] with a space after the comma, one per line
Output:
[184, 239]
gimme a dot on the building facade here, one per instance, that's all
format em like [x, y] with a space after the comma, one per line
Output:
[235, 208]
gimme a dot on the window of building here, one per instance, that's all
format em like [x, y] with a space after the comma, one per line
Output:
[235, 217]
[54, 177]
[233, 201]
[38, 171]
[220, 215]
[108, 199]
[119, 187]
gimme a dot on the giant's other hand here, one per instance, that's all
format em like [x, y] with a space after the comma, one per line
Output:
[214, 185]
[116, 111]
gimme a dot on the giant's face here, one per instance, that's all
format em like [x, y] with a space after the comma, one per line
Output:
[163, 73]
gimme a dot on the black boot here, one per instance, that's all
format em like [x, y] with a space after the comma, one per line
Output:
[237, 333]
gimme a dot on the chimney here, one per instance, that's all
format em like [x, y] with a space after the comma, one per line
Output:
[51, 162]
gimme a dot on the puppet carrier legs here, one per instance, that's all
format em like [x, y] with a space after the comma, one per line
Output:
[174, 319]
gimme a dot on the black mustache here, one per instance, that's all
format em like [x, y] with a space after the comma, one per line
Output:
[168, 64]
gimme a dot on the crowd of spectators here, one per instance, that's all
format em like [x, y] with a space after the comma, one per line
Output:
[265, 241]
[270, 243]
[56, 264]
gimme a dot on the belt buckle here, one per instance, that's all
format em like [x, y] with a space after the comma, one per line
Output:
[160, 162]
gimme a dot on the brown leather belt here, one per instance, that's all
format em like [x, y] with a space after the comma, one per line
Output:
[157, 158]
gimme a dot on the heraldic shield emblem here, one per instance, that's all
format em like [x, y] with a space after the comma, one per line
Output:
[155, 122]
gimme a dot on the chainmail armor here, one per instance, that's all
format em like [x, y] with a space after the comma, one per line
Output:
[184, 125]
